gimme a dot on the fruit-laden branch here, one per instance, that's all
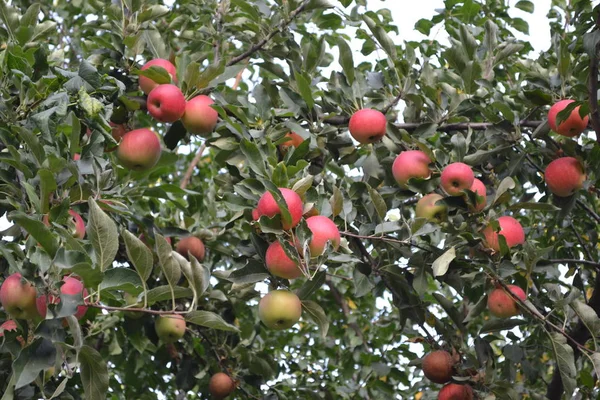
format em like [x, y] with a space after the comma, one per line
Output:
[190, 169]
[274, 32]
[341, 120]
[580, 335]
[570, 260]
[132, 309]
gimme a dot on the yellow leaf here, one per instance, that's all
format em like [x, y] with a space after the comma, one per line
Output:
[418, 396]
[351, 304]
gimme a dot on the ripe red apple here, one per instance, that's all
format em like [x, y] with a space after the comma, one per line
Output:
[454, 391]
[147, 84]
[456, 177]
[170, 328]
[367, 125]
[117, 132]
[502, 305]
[72, 287]
[166, 103]
[426, 208]
[323, 230]
[139, 149]
[268, 206]
[479, 188]
[411, 164]
[510, 228]
[438, 366]
[18, 297]
[193, 245]
[199, 117]
[294, 140]
[9, 325]
[570, 127]
[279, 264]
[279, 309]
[221, 385]
[76, 157]
[564, 176]
[78, 223]
[255, 215]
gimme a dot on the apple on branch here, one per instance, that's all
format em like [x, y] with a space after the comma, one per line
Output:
[199, 117]
[280, 309]
[139, 150]
[166, 103]
[454, 391]
[267, 206]
[221, 385]
[427, 208]
[367, 125]
[71, 287]
[323, 230]
[170, 328]
[573, 125]
[510, 228]
[457, 177]
[502, 305]
[193, 246]
[279, 264]
[438, 366]
[411, 164]
[147, 84]
[17, 296]
[564, 176]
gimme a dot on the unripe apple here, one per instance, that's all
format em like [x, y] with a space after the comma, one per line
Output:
[323, 230]
[426, 208]
[454, 391]
[570, 127]
[564, 176]
[199, 117]
[438, 366]
[279, 309]
[456, 177]
[502, 305]
[71, 287]
[479, 188]
[510, 228]
[170, 328]
[367, 125]
[78, 224]
[221, 385]
[411, 164]
[279, 264]
[268, 206]
[18, 297]
[147, 84]
[166, 103]
[294, 140]
[139, 149]
[193, 245]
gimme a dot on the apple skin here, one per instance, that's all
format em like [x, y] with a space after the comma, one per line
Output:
[454, 391]
[411, 164]
[323, 230]
[367, 125]
[71, 286]
[295, 140]
[570, 127]
[456, 177]
[117, 132]
[426, 208]
[193, 245]
[11, 326]
[279, 309]
[268, 206]
[147, 84]
[255, 215]
[79, 224]
[170, 328]
[18, 297]
[438, 366]
[139, 149]
[76, 157]
[166, 103]
[510, 228]
[199, 117]
[221, 385]
[479, 188]
[502, 305]
[564, 176]
[279, 264]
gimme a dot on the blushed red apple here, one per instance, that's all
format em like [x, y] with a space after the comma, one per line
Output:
[323, 230]
[294, 140]
[268, 206]
[139, 150]
[454, 391]
[502, 305]
[193, 246]
[427, 208]
[221, 385]
[479, 188]
[573, 126]
[367, 125]
[438, 366]
[279, 264]
[166, 103]
[456, 177]
[71, 287]
[199, 117]
[147, 84]
[411, 164]
[564, 176]
[510, 228]
[17, 296]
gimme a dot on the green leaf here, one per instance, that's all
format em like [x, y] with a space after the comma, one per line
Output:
[209, 74]
[103, 234]
[497, 325]
[565, 361]
[139, 254]
[336, 201]
[588, 316]
[94, 373]
[168, 263]
[201, 276]
[47, 186]
[451, 310]
[37, 356]
[533, 206]
[311, 286]
[319, 4]
[253, 156]
[362, 283]
[152, 13]
[303, 185]
[442, 263]
[346, 60]
[507, 184]
[382, 37]
[155, 73]
[37, 230]
[304, 87]
[378, 203]
[121, 278]
[525, 5]
[209, 320]
[163, 293]
[315, 312]
[252, 272]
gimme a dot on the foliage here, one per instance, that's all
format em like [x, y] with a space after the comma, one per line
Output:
[397, 286]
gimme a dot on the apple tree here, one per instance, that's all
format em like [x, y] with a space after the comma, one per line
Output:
[282, 199]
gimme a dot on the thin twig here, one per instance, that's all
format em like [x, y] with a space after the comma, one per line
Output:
[393, 103]
[132, 309]
[593, 90]
[190, 169]
[570, 260]
[580, 240]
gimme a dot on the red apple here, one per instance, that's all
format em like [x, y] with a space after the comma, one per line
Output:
[117, 132]
[199, 117]
[279, 264]
[479, 188]
[510, 228]
[11, 326]
[564, 176]
[76, 157]
[18, 297]
[323, 230]
[294, 140]
[456, 177]
[438, 366]
[454, 391]
[502, 305]
[367, 125]
[268, 206]
[570, 127]
[221, 385]
[139, 149]
[411, 164]
[192, 245]
[166, 103]
[427, 208]
[255, 215]
[147, 84]
[71, 287]
[78, 223]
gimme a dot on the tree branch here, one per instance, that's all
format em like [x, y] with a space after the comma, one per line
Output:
[393, 103]
[264, 41]
[190, 169]
[570, 260]
[593, 88]
[341, 120]
[346, 310]
[132, 309]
